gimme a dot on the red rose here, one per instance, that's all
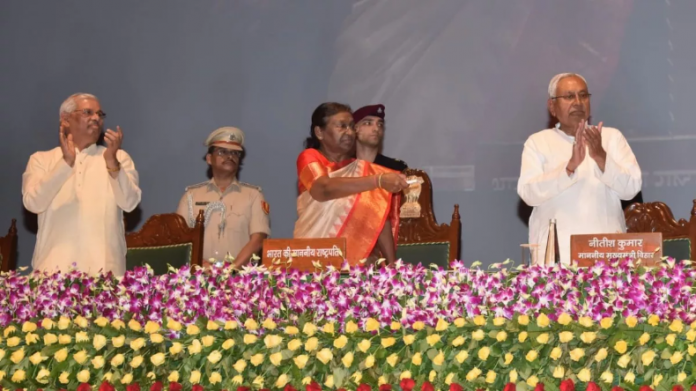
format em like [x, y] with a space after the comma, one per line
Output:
[453, 387]
[84, 387]
[313, 386]
[157, 386]
[289, 387]
[175, 386]
[677, 388]
[407, 384]
[567, 385]
[539, 387]
[385, 387]
[240, 388]
[693, 388]
[105, 386]
[645, 388]
[427, 387]
[510, 387]
[130, 387]
[364, 387]
[617, 388]
[592, 386]
[196, 387]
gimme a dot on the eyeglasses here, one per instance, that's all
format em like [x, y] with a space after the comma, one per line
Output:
[90, 112]
[582, 96]
[223, 152]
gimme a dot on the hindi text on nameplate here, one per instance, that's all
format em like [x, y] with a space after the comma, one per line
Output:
[588, 249]
[304, 253]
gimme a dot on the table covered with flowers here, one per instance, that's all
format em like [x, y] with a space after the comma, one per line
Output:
[401, 327]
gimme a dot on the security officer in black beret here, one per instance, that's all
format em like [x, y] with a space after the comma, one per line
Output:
[369, 129]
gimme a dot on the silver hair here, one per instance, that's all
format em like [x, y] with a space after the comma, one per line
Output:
[70, 104]
[554, 81]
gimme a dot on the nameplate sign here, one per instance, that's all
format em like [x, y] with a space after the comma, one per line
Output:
[304, 253]
[588, 249]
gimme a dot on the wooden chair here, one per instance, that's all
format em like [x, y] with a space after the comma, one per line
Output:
[678, 237]
[421, 239]
[164, 240]
[8, 249]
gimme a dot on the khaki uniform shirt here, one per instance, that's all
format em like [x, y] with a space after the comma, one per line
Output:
[231, 217]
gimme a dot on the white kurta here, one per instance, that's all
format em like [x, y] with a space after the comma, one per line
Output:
[587, 202]
[80, 210]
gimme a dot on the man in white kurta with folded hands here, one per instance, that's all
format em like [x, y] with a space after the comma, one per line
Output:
[80, 190]
[575, 173]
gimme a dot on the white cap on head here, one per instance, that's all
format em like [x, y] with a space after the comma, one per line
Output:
[227, 137]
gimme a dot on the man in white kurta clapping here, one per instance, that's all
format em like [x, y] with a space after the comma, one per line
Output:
[575, 173]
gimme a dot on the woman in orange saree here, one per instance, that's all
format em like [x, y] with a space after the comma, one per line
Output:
[340, 196]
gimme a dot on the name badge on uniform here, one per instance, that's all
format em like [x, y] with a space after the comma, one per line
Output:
[202, 203]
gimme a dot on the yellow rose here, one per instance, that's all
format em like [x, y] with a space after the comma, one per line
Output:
[417, 359]
[174, 326]
[523, 320]
[79, 337]
[309, 329]
[151, 327]
[17, 356]
[459, 341]
[228, 344]
[418, 325]
[282, 381]
[532, 355]
[157, 359]
[231, 325]
[195, 347]
[462, 356]
[364, 345]
[433, 339]
[479, 320]
[500, 336]
[275, 358]
[387, 342]
[588, 337]
[9, 330]
[681, 377]
[50, 339]
[607, 377]
[256, 359]
[208, 341]
[459, 322]
[559, 372]
[657, 379]
[606, 323]
[473, 374]
[601, 355]
[215, 378]
[215, 356]
[565, 336]
[340, 342]
[692, 350]
[61, 355]
[408, 339]
[621, 346]
[325, 355]
[585, 321]
[63, 323]
[630, 378]
[670, 339]
[42, 377]
[498, 322]
[251, 325]
[301, 361]
[47, 324]
[405, 375]
[311, 344]
[36, 358]
[644, 338]
[395, 326]
[522, 336]
[676, 358]
[483, 353]
[240, 365]
[490, 377]
[478, 335]
[137, 344]
[98, 362]
[173, 376]
[543, 321]
[19, 376]
[565, 319]
[351, 327]
[12, 342]
[117, 360]
[449, 379]
[134, 325]
[64, 339]
[576, 354]
[192, 329]
[347, 360]
[653, 320]
[118, 341]
[2, 354]
[442, 325]
[432, 376]
[624, 361]
[439, 359]
[631, 322]
[127, 378]
[212, 326]
[195, 377]
[136, 361]
[81, 357]
[393, 359]
[676, 326]
[556, 353]
[250, 339]
[585, 375]
[100, 321]
[532, 381]
[238, 380]
[543, 338]
[28, 327]
[294, 344]
[371, 324]
[508, 358]
[176, 348]
[156, 338]
[329, 328]
[691, 335]
[116, 323]
[369, 361]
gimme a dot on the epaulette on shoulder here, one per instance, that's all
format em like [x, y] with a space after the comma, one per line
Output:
[250, 185]
[197, 185]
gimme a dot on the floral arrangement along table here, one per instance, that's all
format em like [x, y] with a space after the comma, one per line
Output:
[402, 327]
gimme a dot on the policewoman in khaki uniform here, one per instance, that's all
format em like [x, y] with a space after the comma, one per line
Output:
[236, 213]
